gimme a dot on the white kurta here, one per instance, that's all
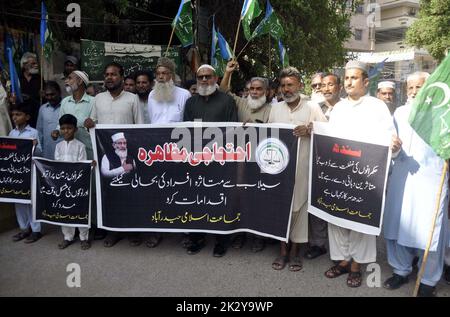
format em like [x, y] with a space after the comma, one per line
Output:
[72, 151]
[367, 118]
[171, 111]
[415, 176]
[123, 109]
[303, 114]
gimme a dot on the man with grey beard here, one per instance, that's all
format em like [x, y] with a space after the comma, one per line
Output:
[301, 111]
[254, 107]
[166, 101]
[30, 84]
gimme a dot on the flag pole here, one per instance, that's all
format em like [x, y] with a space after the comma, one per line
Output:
[236, 38]
[42, 74]
[433, 224]
[242, 50]
[170, 41]
[270, 59]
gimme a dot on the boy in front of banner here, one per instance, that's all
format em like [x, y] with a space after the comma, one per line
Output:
[21, 115]
[71, 150]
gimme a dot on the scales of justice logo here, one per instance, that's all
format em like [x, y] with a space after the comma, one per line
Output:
[272, 156]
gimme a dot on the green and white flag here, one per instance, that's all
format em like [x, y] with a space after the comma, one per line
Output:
[47, 42]
[430, 114]
[220, 51]
[183, 23]
[270, 24]
[250, 11]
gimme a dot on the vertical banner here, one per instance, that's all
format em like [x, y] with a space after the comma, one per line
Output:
[61, 192]
[214, 177]
[15, 170]
[347, 180]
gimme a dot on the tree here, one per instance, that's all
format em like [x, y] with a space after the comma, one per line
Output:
[432, 29]
[315, 32]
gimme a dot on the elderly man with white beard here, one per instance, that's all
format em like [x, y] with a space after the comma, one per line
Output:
[79, 104]
[253, 108]
[166, 101]
[117, 163]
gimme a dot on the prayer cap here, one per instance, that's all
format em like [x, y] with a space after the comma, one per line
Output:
[207, 66]
[386, 84]
[117, 136]
[71, 59]
[357, 64]
[166, 62]
[84, 77]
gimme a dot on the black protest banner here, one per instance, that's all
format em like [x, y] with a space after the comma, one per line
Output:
[347, 181]
[61, 192]
[220, 178]
[15, 169]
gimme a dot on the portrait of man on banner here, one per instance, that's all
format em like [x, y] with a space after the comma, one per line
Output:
[118, 162]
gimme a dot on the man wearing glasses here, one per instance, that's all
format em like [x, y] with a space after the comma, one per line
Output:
[210, 105]
[166, 101]
[316, 86]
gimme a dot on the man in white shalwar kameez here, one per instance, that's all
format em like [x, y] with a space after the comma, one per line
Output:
[411, 202]
[365, 117]
[299, 110]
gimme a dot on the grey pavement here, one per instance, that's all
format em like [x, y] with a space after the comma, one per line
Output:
[39, 269]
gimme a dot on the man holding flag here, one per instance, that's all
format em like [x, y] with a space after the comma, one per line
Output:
[416, 174]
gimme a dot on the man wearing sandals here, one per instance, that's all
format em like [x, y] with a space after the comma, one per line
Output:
[412, 189]
[115, 106]
[296, 109]
[364, 116]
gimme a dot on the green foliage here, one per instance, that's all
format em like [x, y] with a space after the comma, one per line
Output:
[432, 30]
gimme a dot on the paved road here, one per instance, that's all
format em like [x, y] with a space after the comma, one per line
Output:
[40, 270]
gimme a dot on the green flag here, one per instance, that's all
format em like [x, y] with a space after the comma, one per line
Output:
[47, 42]
[250, 11]
[183, 23]
[217, 60]
[430, 114]
[270, 24]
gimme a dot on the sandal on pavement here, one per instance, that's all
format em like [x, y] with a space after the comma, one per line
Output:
[295, 264]
[111, 240]
[337, 270]
[354, 279]
[85, 244]
[64, 244]
[153, 241]
[280, 262]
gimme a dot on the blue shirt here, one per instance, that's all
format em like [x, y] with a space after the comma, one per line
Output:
[47, 122]
[27, 133]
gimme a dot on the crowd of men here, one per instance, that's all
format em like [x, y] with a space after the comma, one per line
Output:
[154, 96]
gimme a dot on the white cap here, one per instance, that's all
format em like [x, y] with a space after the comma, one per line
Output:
[207, 66]
[357, 64]
[117, 136]
[386, 84]
[82, 75]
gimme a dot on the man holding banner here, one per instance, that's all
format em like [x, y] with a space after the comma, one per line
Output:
[114, 106]
[210, 105]
[365, 117]
[415, 175]
[299, 110]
